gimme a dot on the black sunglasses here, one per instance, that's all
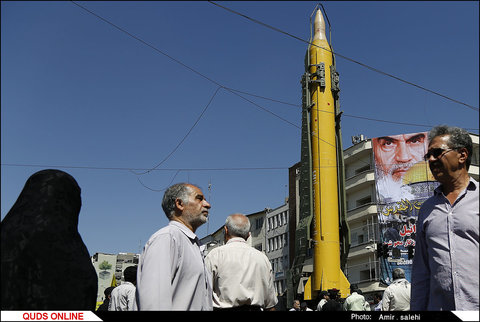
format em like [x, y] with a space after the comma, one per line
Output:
[436, 153]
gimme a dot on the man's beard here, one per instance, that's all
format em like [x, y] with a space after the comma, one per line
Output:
[196, 220]
[391, 173]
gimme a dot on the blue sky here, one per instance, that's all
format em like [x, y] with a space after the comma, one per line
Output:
[82, 96]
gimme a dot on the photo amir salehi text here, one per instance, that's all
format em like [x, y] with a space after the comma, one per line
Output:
[385, 317]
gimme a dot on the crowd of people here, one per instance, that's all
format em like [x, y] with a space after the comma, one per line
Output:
[173, 274]
[396, 297]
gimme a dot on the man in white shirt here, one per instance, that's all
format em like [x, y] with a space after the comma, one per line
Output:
[397, 295]
[355, 301]
[171, 272]
[122, 297]
[242, 276]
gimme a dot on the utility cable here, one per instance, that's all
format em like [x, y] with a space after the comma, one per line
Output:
[186, 66]
[344, 114]
[159, 190]
[184, 137]
[236, 92]
[146, 43]
[141, 169]
[345, 57]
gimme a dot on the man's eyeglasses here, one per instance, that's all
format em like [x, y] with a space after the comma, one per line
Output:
[437, 153]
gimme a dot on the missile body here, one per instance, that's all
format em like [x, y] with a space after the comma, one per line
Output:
[327, 273]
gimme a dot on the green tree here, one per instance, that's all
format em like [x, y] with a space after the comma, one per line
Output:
[105, 265]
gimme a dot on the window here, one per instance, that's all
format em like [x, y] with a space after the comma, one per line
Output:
[360, 239]
[258, 223]
[362, 169]
[364, 201]
[475, 155]
[367, 275]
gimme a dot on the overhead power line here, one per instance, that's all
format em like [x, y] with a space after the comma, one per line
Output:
[345, 57]
[145, 43]
[277, 30]
[196, 72]
[344, 114]
[47, 166]
[231, 90]
[181, 63]
[236, 92]
[184, 137]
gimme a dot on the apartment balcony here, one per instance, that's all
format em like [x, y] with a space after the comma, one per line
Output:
[357, 213]
[357, 151]
[360, 251]
[360, 181]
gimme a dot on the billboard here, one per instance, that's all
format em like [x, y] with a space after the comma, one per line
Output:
[105, 265]
[403, 182]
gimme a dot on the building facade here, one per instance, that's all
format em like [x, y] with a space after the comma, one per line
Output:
[362, 264]
[277, 245]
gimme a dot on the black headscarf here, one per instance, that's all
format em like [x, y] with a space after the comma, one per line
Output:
[44, 263]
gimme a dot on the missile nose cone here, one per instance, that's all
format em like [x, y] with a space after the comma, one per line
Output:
[319, 26]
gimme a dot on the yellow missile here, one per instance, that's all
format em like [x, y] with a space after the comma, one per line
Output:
[327, 273]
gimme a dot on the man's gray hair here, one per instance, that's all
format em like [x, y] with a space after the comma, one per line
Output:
[180, 191]
[398, 273]
[459, 138]
[237, 226]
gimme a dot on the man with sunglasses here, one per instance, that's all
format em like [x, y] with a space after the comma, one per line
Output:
[445, 267]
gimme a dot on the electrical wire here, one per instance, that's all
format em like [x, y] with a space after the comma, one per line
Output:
[142, 169]
[233, 91]
[344, 114]
[345, 57]
[159, 190]
[188, 67]
[184, 137]
[146, 43]
[236, 92]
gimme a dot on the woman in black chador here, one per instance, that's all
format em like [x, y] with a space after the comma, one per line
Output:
[44, 263]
